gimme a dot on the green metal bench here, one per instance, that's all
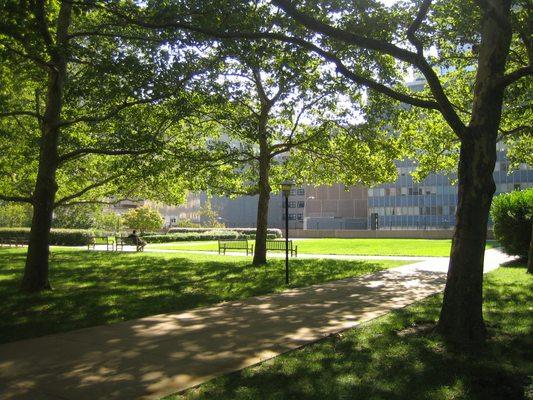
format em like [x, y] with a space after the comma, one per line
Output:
[13, 242]
[279, 245]
[121, 241]
[241, 244]
[108, 241]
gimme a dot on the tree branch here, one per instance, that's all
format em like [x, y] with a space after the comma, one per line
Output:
[108, 203]
[328, 56]
[514, 131]
[345, 36]
[512, 77]
[19, 113]
[415, 25]
[16, 199]
[85, 190]
[444, 104]
[87, 150]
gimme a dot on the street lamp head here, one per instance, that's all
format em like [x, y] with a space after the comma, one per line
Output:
[286, 187]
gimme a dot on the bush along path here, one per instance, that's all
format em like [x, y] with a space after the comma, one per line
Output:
[155, 356]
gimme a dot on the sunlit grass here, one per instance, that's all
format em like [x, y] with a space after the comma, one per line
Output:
[377, 247]
[93, 288]
[384, 360]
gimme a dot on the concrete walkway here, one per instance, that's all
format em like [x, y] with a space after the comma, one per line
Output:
[155, 356]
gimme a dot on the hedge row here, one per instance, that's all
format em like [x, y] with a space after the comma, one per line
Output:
[244, 231]
[192, 236]
[58, 237]
[79, 237]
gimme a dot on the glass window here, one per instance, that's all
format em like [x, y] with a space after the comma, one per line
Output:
[292, 217]
[300, 217]
[301, 204]
[301, 191]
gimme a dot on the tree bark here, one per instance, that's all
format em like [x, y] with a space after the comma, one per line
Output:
[530, 253]
[262, 205]
[461, 318]
[35, 277]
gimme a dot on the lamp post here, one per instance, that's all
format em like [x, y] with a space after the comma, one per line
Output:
[286, 190]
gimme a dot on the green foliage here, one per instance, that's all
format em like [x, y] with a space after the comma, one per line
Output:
[187, 223]
[192, 236]
[144, 219]
[82, 216]
[135, 88]
[108, 221]
[13, 214]
[247, 231]
[58, 237]
[208, 216]
[512, 214]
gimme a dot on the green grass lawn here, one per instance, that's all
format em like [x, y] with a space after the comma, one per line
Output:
[377, 247]
[93, 288]
[389, 359]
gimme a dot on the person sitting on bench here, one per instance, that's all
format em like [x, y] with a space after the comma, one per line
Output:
[137, 241]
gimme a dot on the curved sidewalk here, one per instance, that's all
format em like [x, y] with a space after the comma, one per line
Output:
[154, 356]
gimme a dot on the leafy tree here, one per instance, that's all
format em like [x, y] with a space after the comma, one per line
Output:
[144, 219]
[485, 46]
[209, 217]
[87, 104]
[15, 215]
[373, 46]
[82, 216]
[108, 221]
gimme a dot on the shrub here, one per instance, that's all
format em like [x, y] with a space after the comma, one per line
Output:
[144, 219]
[58, 237]
[244, 231]
[190, 236]
[512, 214]
[13, 214]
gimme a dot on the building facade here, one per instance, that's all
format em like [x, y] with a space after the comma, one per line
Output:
[431, 203]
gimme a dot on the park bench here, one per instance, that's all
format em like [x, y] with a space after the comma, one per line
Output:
[12, 241]
[108, 241]
[240, 244]
[279, 245]
[121, 241]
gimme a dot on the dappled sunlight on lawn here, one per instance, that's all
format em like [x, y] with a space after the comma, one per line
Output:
[92, 288]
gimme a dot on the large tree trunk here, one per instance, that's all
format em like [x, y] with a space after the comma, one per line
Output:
[461, 318]
[262, 206]
[530, 254]
[36, 270]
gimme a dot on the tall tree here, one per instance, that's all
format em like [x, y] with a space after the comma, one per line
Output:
[276, 101]
[87, 102]
[479, 35]
[374, 46]
[268, 98]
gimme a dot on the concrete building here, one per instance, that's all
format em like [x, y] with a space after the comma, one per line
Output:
[335, 207]
[242, 211]
[431, 203]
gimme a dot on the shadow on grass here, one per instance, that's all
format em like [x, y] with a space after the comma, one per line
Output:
[94, 288]
[379, 361]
